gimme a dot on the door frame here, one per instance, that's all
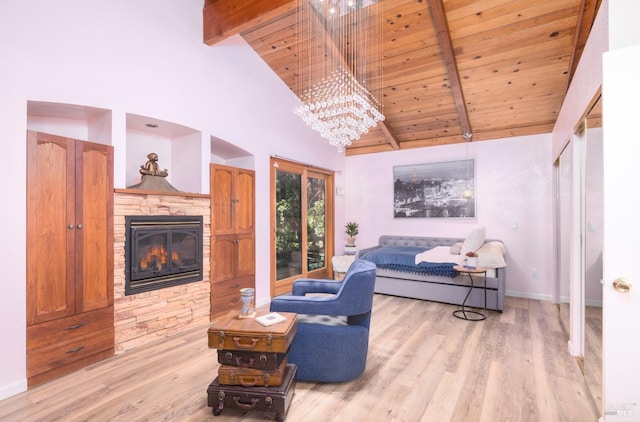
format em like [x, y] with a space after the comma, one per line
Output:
[305, 170]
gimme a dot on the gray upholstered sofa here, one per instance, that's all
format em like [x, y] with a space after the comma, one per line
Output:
[437, 288]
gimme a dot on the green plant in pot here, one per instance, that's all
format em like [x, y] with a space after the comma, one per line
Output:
[351, 229]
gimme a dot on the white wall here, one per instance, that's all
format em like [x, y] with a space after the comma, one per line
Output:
[144, 57]
[585, 83]
[513, 189]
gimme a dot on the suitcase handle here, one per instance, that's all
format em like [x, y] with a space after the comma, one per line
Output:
[252, 345]
[252, 380]
[248, 406]
[247, 381]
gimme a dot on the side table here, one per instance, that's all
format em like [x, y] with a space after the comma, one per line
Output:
[467, 314]
[341, 264]
[254, 372]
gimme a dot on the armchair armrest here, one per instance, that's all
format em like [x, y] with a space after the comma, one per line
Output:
[303, 286]
[311, 305]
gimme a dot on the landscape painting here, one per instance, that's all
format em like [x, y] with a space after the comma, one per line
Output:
[435, 190]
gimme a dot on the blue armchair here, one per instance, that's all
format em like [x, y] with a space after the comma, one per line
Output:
[332, 340]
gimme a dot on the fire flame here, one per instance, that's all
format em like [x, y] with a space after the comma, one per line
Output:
[156, 257]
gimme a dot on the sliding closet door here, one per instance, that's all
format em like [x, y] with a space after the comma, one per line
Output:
[564, 170]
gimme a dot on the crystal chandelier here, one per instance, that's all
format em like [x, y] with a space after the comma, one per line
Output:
[340, 67]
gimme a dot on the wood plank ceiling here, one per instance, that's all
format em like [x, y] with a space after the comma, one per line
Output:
[492, 68]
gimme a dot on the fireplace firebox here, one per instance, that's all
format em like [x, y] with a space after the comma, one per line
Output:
[162, 251]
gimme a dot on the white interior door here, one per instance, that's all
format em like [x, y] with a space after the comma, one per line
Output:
[621, 311]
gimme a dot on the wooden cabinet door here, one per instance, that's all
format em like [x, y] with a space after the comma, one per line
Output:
[223, 256]
[244, 201]
[69, 227]
[245, 260]
[94, 226]
[232, 200]
[232, 257]
[50, 227]
[221, 190]
[233, 237]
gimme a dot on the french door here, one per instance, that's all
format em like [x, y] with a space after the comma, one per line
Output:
[301, 222]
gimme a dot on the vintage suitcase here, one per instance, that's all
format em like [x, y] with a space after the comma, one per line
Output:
[251, 377]
[259, 360]
[230, 332]
[264, 399]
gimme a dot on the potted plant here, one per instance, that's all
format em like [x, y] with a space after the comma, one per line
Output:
[351, 229]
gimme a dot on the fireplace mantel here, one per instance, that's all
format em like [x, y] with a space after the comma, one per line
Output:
[162, 193]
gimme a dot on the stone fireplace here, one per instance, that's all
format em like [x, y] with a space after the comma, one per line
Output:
[146, 316]
[162, 251]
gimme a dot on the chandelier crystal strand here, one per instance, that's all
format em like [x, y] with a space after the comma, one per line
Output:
[336, 101]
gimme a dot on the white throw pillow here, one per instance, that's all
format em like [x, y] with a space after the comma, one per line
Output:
[456, 248]
[474, 240]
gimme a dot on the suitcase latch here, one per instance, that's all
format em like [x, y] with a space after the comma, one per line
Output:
[269, 341]
[268, 401]
[220, 400]
[221, 340]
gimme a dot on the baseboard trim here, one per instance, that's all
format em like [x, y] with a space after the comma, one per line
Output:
[588, 302]
[12, 389]
[594, 303]
[526, 295]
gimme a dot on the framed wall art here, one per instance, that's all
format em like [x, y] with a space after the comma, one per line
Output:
[435, 190]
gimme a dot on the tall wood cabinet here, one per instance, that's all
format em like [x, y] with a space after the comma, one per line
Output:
[70, 321]
[233, 235]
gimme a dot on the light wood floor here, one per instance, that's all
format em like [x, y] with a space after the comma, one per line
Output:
[423, 365]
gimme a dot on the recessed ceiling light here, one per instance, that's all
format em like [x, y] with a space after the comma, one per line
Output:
[152, 125]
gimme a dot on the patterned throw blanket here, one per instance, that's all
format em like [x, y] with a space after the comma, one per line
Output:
[403, 258]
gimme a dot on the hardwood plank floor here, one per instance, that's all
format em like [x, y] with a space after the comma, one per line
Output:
[423, 365]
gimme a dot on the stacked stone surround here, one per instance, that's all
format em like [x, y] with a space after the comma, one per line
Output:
[148, 316]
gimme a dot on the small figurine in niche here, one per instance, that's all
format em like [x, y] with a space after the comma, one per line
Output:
[151, 167]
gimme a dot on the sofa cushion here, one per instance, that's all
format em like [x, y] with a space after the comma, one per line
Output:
[491, 255]
[456, 248]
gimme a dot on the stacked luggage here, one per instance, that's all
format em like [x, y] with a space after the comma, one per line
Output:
[254, 373]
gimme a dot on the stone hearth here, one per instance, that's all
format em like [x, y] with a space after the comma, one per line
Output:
[147, 316]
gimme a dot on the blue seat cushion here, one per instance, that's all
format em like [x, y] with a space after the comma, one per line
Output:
[334, 321]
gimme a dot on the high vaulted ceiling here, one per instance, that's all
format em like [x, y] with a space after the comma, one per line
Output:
[493, 68]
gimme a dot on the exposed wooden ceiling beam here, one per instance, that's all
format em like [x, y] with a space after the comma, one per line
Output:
[446, 140]
[448, 56]
[393, 141]
[586, 17]
[224, 18]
